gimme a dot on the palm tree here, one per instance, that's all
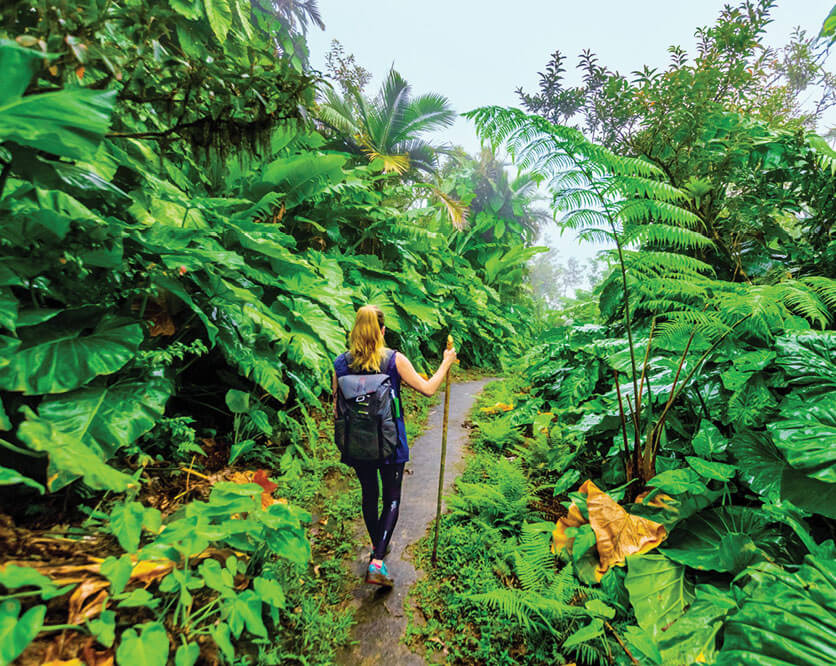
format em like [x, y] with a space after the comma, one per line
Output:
[513, 200]
[389, 126]
[298, 14]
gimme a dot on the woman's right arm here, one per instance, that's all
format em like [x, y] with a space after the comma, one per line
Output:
[425, 386]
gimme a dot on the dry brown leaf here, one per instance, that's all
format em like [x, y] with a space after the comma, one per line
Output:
[62, 662]
[259, 477]
[96, 657]
[147, 571]
[77, 611]
[64, 574]
[617, 532]
[572, 519]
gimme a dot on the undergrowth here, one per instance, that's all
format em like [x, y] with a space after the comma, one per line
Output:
[497, 595]
[322, 619]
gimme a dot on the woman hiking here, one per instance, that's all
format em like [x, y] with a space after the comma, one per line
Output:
[367, 378]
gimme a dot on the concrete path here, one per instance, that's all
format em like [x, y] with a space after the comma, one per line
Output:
[381, 621]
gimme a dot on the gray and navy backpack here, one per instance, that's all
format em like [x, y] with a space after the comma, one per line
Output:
[367, 408]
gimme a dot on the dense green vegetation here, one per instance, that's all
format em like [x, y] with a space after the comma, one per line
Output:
[185, 239]
[695, 388]
[190, 216]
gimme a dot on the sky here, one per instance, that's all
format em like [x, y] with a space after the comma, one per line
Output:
[478, 53]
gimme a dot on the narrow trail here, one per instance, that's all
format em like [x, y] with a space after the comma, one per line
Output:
[381, 620]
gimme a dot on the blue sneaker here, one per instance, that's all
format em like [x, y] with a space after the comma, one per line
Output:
[378, 575]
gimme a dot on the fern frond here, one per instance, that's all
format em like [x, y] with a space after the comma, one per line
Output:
[825, 288]
[596, 235]
[533, 560]
[667, 235]
[636, 186]
[669, 262]
[803, 300]
[583, 218]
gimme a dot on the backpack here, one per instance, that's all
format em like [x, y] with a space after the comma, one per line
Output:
[367, 407]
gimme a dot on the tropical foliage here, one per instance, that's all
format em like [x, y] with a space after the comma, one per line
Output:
[183, 251]
[677, 433]
[190, 217]
[389, 126]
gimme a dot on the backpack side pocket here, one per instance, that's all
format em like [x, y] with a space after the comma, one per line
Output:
[340, 432]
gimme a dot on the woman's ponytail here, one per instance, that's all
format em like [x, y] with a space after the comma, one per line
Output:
[366, 339]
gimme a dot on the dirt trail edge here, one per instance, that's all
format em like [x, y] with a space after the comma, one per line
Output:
[381, 621]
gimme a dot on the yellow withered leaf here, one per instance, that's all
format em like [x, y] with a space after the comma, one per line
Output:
[617, 532]
[573, 519]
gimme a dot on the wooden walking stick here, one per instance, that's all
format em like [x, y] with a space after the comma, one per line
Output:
[443, 452]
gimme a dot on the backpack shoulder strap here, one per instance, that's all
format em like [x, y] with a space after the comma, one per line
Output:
[388, 360]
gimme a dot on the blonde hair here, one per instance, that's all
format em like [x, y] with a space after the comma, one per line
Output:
[366, 339]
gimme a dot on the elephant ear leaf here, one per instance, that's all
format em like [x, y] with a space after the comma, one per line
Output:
[722, 539]
[806, 435]
[56, 360]
[70, 122]
[106, 418]
[147, 647]
[18, 630]
[788, 616]
[18, 65]
[658, 591]
[809, 358]
[69, 457]
[759, 463]
[693, 637]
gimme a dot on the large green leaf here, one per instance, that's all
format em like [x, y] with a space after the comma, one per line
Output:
[244, 611]
[11, 477]
[53, 360]
[759, 463]
[127, 521]
[69, 457]
[299, 177]
[785, 618]
[744, 366]
[147, 648]
[8, 309]
[806, 434]
[809, 358]
[219, 14]
[16, 630]
[693, 637]
[709, 441]
[328, 330]
[720, 539]
[254, 362]
[5, 423]
[107, 418]
[658, 591]
[17, 65]
[14, 577]
[70, 122]
[807, 493]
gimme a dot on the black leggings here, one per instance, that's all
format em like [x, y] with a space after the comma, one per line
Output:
[380, 527]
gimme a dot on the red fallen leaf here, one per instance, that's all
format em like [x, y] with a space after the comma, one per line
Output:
[261, 478]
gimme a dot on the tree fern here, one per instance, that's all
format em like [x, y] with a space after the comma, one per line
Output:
[623, 199]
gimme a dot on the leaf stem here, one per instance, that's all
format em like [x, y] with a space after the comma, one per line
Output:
[621, 643]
